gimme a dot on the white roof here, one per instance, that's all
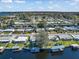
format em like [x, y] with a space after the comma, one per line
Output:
[9, 30]
[20, 39]
[28, 29]
[38, 29]
[64, 36]
[70, 28]
[51, 28]
[19, 22]
[76, 36]
[51, 36]
[4, 40]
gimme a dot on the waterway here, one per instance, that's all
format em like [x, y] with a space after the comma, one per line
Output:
[24, 54]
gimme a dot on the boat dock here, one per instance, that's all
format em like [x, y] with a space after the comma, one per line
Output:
[57, 48]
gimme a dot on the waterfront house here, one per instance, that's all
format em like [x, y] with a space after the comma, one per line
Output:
[65, 37]
[20, 40]
[53, 37]
[5, 38]
[9, 30]
[75, 36]
[4, 41]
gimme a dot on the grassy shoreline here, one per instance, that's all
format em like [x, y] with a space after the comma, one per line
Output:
[50, 44]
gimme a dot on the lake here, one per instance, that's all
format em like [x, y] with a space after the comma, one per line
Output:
[24, 54]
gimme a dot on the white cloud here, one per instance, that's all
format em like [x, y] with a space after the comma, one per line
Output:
[20, 1]
[6, 1]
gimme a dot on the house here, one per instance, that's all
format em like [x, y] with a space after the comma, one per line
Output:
[50, 29]
[53, 37]
[29, 29]
[4, 41]
[75, 36]
[65, 36]
[20, 39]
[9, 30]
[70, 28]
[5, 38]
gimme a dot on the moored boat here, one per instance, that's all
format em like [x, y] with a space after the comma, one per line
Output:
[35, 50]
[74, 46]
[57, 49]
[2, 49]
[16, 49]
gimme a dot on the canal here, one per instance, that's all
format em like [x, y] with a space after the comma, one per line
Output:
[24, 54]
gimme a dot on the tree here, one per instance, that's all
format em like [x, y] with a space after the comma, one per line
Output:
[42, 38]
[42, 24]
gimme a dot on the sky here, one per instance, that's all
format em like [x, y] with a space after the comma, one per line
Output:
[39, 5]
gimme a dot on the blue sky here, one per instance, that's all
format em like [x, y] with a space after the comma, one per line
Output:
[39, 5]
